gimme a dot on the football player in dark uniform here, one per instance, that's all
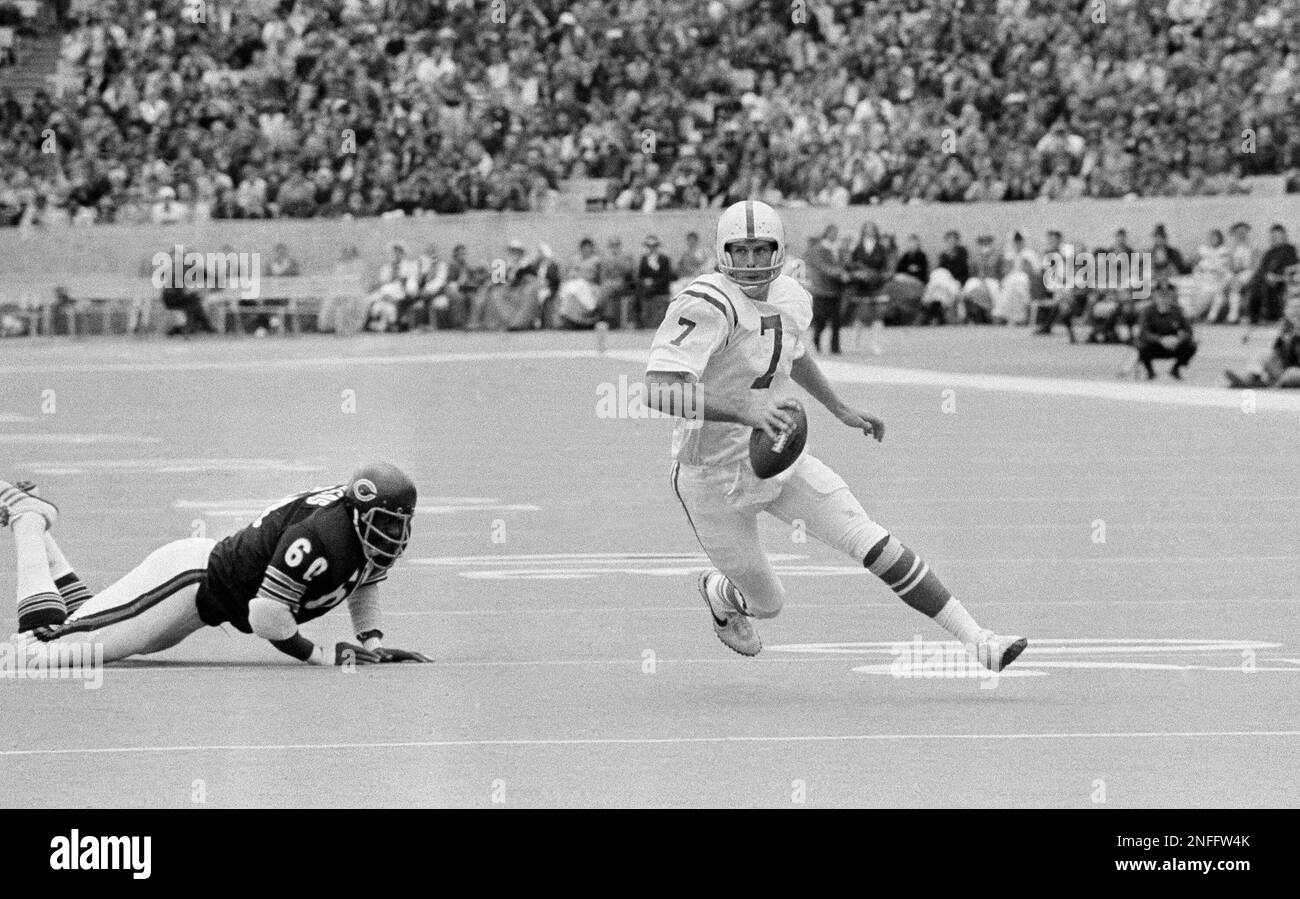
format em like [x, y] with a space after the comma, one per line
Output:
[299, 559]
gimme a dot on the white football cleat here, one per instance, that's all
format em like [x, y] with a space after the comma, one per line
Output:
[731, 625]
[15, 501]
[995, 651]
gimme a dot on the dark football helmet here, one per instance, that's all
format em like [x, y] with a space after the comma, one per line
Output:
[382, 499]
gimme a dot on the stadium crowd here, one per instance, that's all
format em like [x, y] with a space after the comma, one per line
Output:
[305, 108]
[859, 280]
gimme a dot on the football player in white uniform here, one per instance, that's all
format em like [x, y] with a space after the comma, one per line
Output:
[723, 361]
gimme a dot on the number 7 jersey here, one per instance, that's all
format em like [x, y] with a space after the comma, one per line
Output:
[732, 345]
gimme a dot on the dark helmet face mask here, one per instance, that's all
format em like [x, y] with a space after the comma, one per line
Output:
[384, 534]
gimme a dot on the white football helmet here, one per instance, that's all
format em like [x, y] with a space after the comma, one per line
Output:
[747, 220]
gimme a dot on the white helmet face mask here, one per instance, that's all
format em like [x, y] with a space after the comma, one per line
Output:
[750, 220]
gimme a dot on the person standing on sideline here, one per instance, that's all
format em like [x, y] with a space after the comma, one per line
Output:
[827, 276]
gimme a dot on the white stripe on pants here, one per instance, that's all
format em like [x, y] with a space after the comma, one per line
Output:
[150, 609]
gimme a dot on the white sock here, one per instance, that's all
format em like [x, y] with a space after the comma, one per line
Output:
[39, 602]
[59, 564]
[33, 565]
[954, 618]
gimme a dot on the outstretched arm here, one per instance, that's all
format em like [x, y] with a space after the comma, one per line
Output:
[363, 606]
[272, 620]
[805, 372]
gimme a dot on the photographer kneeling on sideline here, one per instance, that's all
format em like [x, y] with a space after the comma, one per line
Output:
[1164, 332]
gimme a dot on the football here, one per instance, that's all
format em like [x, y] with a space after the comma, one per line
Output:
[771, 457]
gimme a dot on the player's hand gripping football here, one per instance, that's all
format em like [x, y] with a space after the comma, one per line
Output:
[772, 416]
[865, 422]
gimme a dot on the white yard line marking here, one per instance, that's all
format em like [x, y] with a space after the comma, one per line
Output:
[524, 574]
[243, 508]
[1041, 645]
[53, 437]
[170, 466]
[590, 558]
[295, 363]
[657, 741]
[1165, 394]
[797, 607]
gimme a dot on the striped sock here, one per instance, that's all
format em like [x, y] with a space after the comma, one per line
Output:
[75, 593]
[40, 610]
[907, 574]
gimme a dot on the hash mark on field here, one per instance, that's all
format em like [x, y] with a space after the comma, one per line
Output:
[655, 741]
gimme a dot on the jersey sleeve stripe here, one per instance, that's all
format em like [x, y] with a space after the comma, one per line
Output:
[731, 322]
[735, 319]
[265, 593]
[281, 580]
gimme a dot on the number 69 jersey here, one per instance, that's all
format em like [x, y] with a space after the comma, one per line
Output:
[303, 552]
[732, 344]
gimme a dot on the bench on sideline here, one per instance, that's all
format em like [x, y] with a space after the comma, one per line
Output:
[132, 303]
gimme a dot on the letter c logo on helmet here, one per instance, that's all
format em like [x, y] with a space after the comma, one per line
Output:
[364, 490]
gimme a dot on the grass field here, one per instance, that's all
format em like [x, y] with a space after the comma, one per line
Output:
[1143, 537]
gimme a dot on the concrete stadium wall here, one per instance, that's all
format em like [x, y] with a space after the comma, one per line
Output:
[316, 244]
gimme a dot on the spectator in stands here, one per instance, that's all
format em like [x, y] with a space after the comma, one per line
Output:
[398, 280]
[982, 292]
[654, 275]
[617, 283]
[1242, 261]
[510, 303]
[1110, 304]
[579, 296]
[188, 303]
[431, 305]
[549, 277]
[282, 265]
[944, 290]
[1020, 265]
[906, 287]
[167, 211]
[913, 263]
[458, 289]
[695, 260]
[1067, 298]
[1166, 261]
[345, 313]
[1267, 284]
[1164, 332]
[827, 277]
[1281, 366]
[867, 269]
[1211, 276]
